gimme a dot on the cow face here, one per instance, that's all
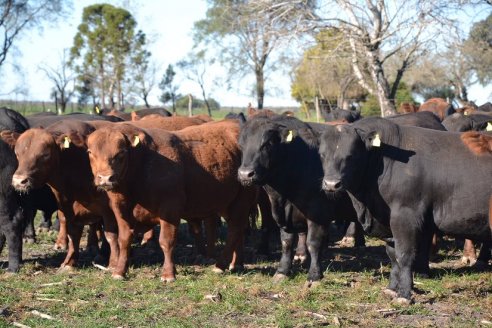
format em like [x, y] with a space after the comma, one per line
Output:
[344, 153]
[109, 156]
[37, 153]
[261, 143]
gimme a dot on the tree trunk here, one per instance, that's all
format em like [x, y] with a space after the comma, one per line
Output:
[388, 107]
[260, 87]
[209, 111]
[190, 105]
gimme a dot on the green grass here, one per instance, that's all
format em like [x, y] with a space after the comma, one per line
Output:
[349, 294]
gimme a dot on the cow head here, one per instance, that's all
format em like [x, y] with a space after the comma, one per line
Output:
[37, 153]
[109, 153]
[261, 142]
[344, 152]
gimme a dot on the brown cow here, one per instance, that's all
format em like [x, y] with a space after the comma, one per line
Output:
[440, 107]
[190, 173]
[408, 108]
[57, 156]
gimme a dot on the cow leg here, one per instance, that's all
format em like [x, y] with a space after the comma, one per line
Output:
[484, 255]
[29, 233]
[268, 225]
[421, 263]
[434, 247]
[315, 236]
[2, 242]
[147, 237]
[195, 229]
[285, 264]
[211, 235]
[301, 251]
[111, 234]
[395, 269]
[61, 239]
[45, 224]
[469, 253]
[358, 231]
[93, 238]
[14, 242]
[167, 241]
[74, 233]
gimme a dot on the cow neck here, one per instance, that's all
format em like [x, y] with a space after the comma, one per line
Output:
[301, 165]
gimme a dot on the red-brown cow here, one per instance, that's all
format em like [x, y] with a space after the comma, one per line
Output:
[57, 156]
[408, 108]
[438, 106]
[190, 173]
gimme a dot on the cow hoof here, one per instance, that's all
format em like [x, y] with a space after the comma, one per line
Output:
[347, 242]
[279, 277]
[116, 276]
[468, 260]
[312, 284]
[390, 293]
[402, 301]
[236, 268]
[300, 258]
[168, 279]
[217, 270]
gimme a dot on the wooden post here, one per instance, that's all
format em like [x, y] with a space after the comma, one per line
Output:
[316, 105]
[190, 105]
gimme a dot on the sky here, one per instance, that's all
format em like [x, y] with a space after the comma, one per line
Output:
[169, 24]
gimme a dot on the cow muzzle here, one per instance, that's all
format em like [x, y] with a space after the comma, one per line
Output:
[331, 185]
[106, 182]
[246, 176]
[21, 182]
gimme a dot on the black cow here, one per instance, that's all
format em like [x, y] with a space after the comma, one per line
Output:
[280, 153]
[12, 215]
[473, 122]
[338, 114]
[404, 182]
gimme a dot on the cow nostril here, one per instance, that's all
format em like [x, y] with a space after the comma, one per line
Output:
[246, 174]
[24, 181]
[331, 185]
[250, 174]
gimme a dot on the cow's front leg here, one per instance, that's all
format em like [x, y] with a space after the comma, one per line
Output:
[395, 270]
[314, 241]
[167, 241]
[74, 233]
[285, 264]
[123, 213]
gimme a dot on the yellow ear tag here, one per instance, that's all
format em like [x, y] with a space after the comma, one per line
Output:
[66, 143]
[489, 127]
[290, 136]
[376, 142]
[97, 110]
[136, 141]
[465, 113]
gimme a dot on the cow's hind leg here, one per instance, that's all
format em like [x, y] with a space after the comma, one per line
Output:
[74, 232]
[469, 253]
[484, 255]
[301, 254]
[167, 241]
[395, 270]
[61, 239]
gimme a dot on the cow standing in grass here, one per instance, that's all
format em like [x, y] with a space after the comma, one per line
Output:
[405, 182]
[190, 174]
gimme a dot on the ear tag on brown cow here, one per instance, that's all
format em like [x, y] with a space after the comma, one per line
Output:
[290, 136]
[376, 142]
[66, 142]
[136, 141]
[489, 127]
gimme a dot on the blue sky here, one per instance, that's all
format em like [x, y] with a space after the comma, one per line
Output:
[169, 23]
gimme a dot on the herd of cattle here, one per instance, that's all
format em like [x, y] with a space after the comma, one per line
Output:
[402, 179]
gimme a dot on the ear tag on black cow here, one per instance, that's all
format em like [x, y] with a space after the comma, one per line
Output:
[66, 142]
[376, 142]
[98, 111]
[489, 127]
[290, 136]
[136, 141]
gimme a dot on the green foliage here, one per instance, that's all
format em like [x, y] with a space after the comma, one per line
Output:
[478, 49]
[403, 95]
[105, 44]
[168, 88]
[182, 103]
[371, 107]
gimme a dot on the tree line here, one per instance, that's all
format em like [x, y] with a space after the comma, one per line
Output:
[345, 52]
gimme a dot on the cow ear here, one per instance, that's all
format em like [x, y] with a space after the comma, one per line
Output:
[287, 135]
[10, 137]
[242, 119]
[137, 139]
[135, 116]
[371, 139]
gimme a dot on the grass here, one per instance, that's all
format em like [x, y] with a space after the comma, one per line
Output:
[349, 294]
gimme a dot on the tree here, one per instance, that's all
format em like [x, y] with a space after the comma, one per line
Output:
[169, 89]
[62, 78]
[144, 76]
[252, 37]
[19, 15]
[195, 69]
[105, 44]
[377, 30]
[325, 72]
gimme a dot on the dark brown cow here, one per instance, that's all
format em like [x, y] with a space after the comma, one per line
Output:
[170, 123]
[57, 156]
[480, 144]
[438, 106]
[190, 173]
[408, 108]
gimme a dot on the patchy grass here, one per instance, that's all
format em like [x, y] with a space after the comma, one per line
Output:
[349, 294]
